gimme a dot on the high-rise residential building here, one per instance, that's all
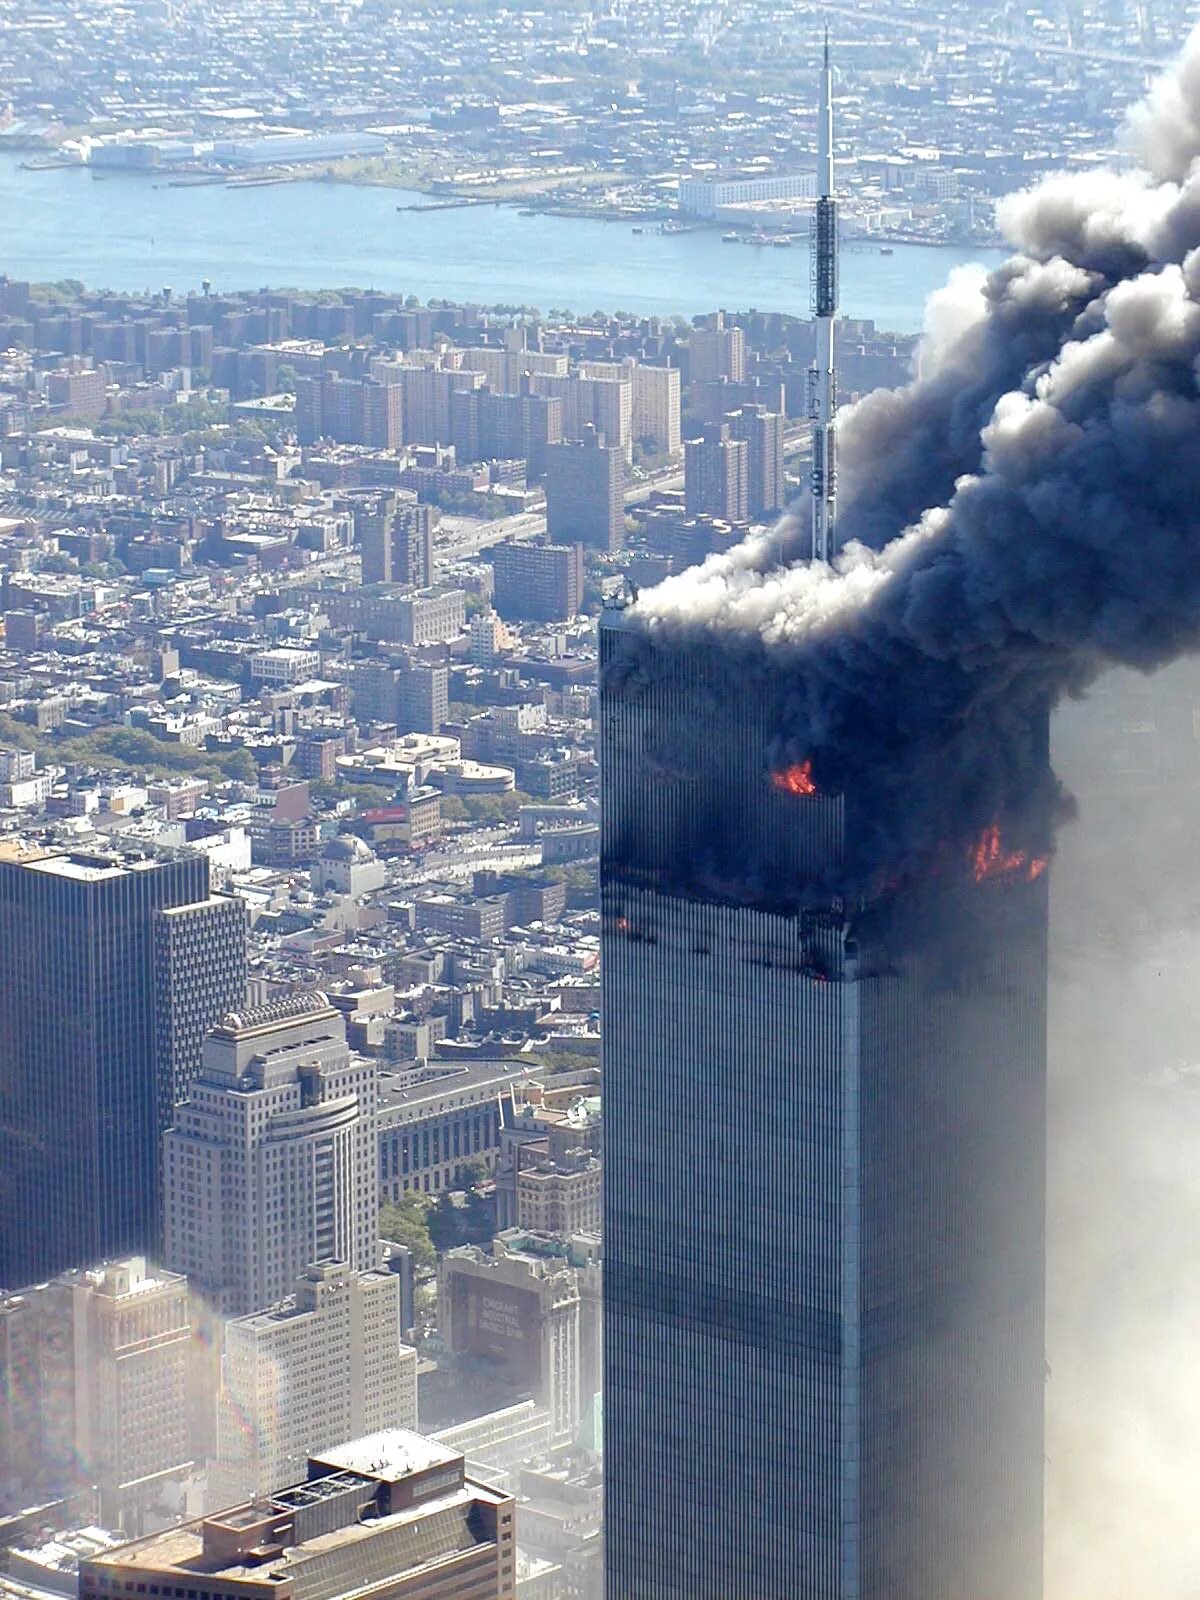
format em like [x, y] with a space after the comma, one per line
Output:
[92, 1044]
[654, 400]
[422, 698]
[585, 498]
[349, 411]
[413, 697]
[604, 403]
[762, 430]
[427, 391]
[272, 1164]
[490, 426]
[537, 582]
[504, 369]
[392, 1516]
[656, 408]
[716, 351]
[490, 639]
[716, 475]
[326, 1365]
[93, 1385]
[395, 533]
[824, 1328]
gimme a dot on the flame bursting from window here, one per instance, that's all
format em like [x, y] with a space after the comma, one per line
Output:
[796, 779]
[989, 859]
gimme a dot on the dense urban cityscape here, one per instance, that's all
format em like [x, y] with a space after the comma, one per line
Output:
[634, 111]
[391, 688]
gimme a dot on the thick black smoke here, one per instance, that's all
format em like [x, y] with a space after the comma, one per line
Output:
[1022, 516]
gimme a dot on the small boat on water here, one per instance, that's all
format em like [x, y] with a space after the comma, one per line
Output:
[639, 230]
[886, 250]
[729, 238]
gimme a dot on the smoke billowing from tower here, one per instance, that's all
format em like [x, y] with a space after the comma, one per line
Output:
[1024, 514]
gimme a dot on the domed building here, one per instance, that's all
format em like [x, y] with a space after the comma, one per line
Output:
[347, 865]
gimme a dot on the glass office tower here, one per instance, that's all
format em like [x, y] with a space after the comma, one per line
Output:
[85, 1015]
[824, 1180]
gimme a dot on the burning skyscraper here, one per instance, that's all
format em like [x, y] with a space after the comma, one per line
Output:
[828, 815]
[824, 1214]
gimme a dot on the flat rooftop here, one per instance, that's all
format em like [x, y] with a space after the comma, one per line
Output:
[389, 1455]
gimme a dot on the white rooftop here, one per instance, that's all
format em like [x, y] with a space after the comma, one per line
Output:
[391, 1454]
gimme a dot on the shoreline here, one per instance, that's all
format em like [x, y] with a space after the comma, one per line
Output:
[439, 196]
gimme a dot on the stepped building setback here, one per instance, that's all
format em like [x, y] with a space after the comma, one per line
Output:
[392, 1516]
[272, 1164]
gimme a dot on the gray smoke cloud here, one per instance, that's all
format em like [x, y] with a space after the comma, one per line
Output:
[1022, 516]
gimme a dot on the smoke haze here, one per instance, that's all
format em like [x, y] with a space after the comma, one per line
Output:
[1020, 519]
[1023, 515]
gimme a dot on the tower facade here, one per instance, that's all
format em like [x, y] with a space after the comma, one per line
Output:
[272, 1163]
[199, 976]
[824, 1198]
[93, 1380]
[716, 476]
[326, 1365]
[585, 487]
[82, 1099]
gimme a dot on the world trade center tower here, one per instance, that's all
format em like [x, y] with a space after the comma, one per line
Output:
[824, 1154]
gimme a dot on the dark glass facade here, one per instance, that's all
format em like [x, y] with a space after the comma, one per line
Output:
[80, 1110]
[824, 1186]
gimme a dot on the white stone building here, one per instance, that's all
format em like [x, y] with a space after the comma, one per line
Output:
[272, 1164]
[327, 1365]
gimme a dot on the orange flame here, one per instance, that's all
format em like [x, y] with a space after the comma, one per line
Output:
[989, 859]
[796, 779]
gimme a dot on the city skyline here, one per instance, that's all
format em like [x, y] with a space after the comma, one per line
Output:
[562, 1036]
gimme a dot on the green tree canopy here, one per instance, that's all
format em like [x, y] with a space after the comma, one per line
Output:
[406, 1222]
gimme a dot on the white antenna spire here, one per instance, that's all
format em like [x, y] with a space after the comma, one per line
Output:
[823, 375]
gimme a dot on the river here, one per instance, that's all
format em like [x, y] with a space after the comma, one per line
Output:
[129, 232]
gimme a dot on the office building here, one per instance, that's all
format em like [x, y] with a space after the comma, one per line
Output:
[395, 533]
[428, 1130]
[272, 1163]
[705, 197]
[285, 666]
[326, 1365]
[93, 1373]
[392, 1516]
[82, 1021]
[824, 1150]
[199, 976]
[762, 432]
[585, 493]
[716, 476]
[517, 1311]
[716, 351]
[538, 582]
